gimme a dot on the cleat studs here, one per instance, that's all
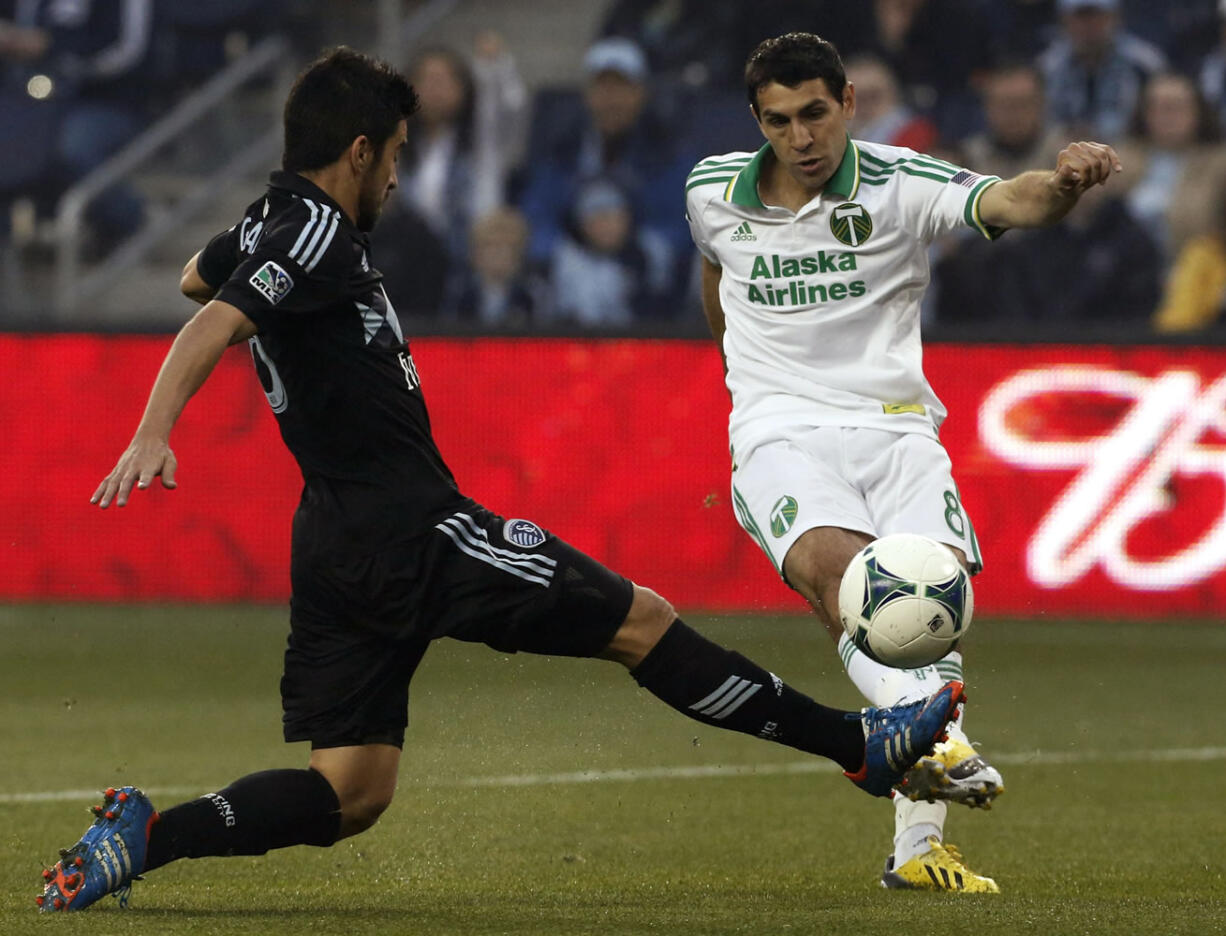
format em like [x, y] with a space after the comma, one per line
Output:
[58, 904]
[48, 874]
[109, 792]
[78, 862]
[40, 900]
[96, 810]
[123, 797]
[110, 814]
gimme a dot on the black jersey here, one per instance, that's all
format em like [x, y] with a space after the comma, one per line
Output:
[334, 365]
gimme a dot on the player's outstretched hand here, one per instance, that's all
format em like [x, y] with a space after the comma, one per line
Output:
[139, 465]
[1081, 165]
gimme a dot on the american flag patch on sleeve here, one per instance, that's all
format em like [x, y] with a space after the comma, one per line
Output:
[966, 178]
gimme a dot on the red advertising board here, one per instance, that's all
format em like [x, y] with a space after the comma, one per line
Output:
[1096, 477]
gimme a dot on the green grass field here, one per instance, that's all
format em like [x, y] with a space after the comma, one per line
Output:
[1110, 737]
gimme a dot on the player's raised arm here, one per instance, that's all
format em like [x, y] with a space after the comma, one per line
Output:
[1041, 198]
[189, 362]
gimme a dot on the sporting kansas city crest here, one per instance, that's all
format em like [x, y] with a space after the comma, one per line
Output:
[851, 224]
[523, 533]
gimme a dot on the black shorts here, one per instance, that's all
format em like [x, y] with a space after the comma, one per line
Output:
[360, 624]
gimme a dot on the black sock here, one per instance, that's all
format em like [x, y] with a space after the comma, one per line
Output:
[258, 812]
[722, 688]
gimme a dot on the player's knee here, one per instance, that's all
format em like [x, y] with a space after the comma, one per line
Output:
[362, 810]
[811, 577]
[649, 613]
[649, 617]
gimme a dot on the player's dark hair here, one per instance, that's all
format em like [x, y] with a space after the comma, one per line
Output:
[791, 60]
[336, 99]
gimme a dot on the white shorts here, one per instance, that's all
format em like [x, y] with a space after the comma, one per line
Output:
[870, 480]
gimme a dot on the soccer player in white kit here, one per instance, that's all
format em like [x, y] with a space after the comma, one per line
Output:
[814, 264]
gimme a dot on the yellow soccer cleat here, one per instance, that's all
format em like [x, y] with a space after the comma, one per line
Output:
[955, 772]
[941, 868]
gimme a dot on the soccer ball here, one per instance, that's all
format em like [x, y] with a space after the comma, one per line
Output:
[905, 600]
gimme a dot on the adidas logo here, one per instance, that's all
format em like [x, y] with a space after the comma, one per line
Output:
[744, 233]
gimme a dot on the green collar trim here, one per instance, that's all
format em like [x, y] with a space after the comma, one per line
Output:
[743, 189]
[846, 179]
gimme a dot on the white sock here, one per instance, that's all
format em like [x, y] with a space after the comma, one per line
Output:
[885, 685]
[913, 823]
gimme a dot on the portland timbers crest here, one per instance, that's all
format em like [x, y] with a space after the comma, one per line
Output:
[851, 224]
[783, 515]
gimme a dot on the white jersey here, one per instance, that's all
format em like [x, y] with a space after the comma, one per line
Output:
[822, 306]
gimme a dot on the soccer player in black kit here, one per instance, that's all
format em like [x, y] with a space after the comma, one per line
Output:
[388, 555]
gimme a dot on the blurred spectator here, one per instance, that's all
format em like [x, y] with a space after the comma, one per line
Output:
[691, 42]
[881, 114]
[1098, 266]
[618, 134]
[850, 26]
[704, 43]
[455, 163]
[935, 47]
[1016, 136]
[418, 273]
[1182, 28]
[1095, 70]
[1172, 169]
[193, 41]
[1021, 28]
[1195, 291]
[501, 120]
[608, 273]
[498, 288]
[85, 60]
[454, 169]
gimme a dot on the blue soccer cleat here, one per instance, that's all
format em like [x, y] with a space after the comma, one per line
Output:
[107, 859]
[896, 737]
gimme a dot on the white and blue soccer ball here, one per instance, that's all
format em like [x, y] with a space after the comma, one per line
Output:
[905, 600]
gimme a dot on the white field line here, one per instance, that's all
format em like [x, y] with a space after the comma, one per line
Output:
[814, 765]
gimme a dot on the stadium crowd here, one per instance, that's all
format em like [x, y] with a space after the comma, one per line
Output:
[575, 219]
[561, 207]
[80, 79]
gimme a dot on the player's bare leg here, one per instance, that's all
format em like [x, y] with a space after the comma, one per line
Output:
[814, 567]
[364, 780]
[954, 772]
[649, 617]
